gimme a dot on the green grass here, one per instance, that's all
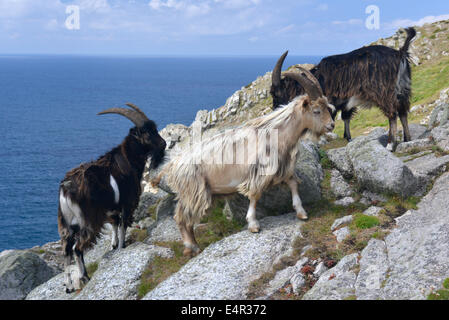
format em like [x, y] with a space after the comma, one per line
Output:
[362, 221]
[429, 79]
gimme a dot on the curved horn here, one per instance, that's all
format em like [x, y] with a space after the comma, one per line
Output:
[311, 77]
[138, 110]
[132, 115]
[312, 87]
[276, 76]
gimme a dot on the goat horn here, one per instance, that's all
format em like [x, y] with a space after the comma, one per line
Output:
[276, 76]
[138, 110]
[132, 115]
[307, 81]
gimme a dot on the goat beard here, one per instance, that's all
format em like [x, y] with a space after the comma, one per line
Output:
[156, 159]
[310, 136]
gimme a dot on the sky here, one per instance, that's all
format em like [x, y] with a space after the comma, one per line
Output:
[204, 27]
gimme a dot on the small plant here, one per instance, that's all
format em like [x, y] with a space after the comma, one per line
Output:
[442, 294]
[446, 284]
[138, 235]
[362, 221]
[91, 268]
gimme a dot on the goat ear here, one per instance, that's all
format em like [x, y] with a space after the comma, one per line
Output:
[306, 103]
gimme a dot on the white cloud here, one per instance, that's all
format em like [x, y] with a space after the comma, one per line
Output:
[402, 23]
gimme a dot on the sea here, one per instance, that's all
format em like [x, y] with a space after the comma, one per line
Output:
[48, 121]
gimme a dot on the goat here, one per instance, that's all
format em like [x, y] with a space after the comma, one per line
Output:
[195, 177]
[374, 75]
[106, 191]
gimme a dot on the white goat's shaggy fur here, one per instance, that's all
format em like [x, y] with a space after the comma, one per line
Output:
[195, 177]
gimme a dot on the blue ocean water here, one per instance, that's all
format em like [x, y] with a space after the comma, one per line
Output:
[48, 122]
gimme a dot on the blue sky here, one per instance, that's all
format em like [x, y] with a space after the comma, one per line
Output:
[204, 27]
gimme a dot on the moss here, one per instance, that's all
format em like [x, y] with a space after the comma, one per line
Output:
[324, 160]
[216, 226]
[161, 268]
[152, 211]
[362, 221]
[439, 295]
[446, 284]
[354, 297]
[91, 268]
[442, 294]
[138, 235]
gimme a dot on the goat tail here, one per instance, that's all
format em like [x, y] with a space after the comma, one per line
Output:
[411, 33]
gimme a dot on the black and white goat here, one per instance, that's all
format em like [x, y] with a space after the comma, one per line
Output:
[106, 191]
[373, 75]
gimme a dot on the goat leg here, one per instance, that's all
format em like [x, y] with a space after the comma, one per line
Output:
[404, 121]
[253, 224]
[79, 258]
[392, 140]
[191, 247]
[68, 252]
[297, 204]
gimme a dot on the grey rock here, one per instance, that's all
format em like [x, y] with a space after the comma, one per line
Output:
[406, 158]
[418, 131]
[342, 234]
[339, 222]
[225, 269]
[420, 144]
[373, 211]
[20, 273]
[283, 277]
[53, 289]
[340, 160]
[373, 271]
[441, 136]
[337, 283]
[418, 253]
[274, 201]
[146, 223]
[147, 199]
[119, 273]
[340, 188]
[165, 229]
[320, 270]
[297, 282]
[378, 170]
[310, 172]
[374, 197]
[428, 167]
[345, 201]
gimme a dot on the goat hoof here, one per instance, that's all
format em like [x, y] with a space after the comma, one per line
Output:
[302, 216]
[188, 252]
[254, 230]
[69, 290]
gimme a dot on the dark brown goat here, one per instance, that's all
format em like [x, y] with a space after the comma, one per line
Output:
[106, 191]
[374, 75]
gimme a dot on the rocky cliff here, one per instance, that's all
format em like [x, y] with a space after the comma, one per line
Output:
[378, 226]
